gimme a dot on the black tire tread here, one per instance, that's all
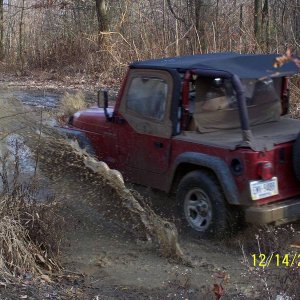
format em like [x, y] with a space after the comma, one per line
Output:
[296, 157]
[226, 218]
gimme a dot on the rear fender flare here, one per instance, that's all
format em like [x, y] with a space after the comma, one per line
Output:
[217, 166]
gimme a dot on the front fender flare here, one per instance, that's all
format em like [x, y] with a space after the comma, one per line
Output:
[218, 166]
[80, 136]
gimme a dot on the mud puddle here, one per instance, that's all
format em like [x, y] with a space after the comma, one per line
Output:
[40, 99]
[47, 99]
[110, 262]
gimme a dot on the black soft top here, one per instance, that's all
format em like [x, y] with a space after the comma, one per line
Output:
[242, 65]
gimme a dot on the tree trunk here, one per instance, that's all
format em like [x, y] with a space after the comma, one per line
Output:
[199, 23]
[21, 38]
[257, 19]
[241, 25]
[1, 31]
[101, 9]
[217, 24]
[297, 25]
[265, 26]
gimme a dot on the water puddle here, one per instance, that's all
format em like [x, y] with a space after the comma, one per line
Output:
[40, 99]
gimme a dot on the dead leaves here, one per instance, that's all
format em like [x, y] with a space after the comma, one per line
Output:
[218, 291]
[288, 56]
[218, 288]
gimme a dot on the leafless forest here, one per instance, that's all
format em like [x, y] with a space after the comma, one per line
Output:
[69, 227]
[87, 36]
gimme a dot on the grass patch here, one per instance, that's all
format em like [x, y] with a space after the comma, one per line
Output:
[30, 227]
[72, 103]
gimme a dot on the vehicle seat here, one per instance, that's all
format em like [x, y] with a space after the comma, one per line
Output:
[213, 104]
[218, 114]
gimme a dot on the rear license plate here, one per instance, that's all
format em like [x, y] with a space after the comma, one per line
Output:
[263, 188]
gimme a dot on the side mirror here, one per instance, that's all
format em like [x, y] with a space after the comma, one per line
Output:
[102, 97]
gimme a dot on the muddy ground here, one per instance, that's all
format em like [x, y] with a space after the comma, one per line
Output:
[102, 260]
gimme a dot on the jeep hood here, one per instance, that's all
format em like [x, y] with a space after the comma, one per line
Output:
[90, 119]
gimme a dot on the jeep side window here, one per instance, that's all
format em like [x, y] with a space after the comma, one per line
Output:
[215, 94]
[147, 96]
[262, 91]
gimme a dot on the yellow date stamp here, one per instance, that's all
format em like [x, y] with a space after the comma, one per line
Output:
[275, 259]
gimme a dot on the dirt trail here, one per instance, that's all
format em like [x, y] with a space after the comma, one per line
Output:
[111, 257]
[113, 263]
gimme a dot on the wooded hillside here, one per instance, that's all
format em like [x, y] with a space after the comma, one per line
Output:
[104, 35]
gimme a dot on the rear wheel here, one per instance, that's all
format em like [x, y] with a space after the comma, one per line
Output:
[203, 205]
[296, 157]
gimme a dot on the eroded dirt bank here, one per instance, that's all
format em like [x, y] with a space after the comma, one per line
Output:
[101, 257]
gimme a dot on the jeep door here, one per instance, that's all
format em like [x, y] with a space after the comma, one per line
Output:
[145, 137]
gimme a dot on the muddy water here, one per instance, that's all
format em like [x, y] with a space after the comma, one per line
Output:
[106, 251]
[41, 99]
[49, 99]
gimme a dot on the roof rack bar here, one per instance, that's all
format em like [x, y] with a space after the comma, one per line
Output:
[241, 100]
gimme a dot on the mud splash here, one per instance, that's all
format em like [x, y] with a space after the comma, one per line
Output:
[103, 188]
[116, 200]
[161, 230]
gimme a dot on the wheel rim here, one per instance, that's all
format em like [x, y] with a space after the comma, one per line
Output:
[198, 209]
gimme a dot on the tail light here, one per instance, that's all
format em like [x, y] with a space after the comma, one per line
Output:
[265, 170]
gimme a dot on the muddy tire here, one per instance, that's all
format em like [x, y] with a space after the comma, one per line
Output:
[203, 205]
[296, 157]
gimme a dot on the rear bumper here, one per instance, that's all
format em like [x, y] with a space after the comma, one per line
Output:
[277, 213]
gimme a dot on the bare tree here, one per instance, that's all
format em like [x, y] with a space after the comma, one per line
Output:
[68, 34]
[257, 18]
[21, 37]
[1, 31]
[200, 11]
[265, 24]
[102, 17]
[197, 11]
[296, 24]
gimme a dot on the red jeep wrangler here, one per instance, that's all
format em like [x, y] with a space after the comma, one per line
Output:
[213, 128]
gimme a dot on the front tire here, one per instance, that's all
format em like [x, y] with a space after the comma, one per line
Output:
[203, 205]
